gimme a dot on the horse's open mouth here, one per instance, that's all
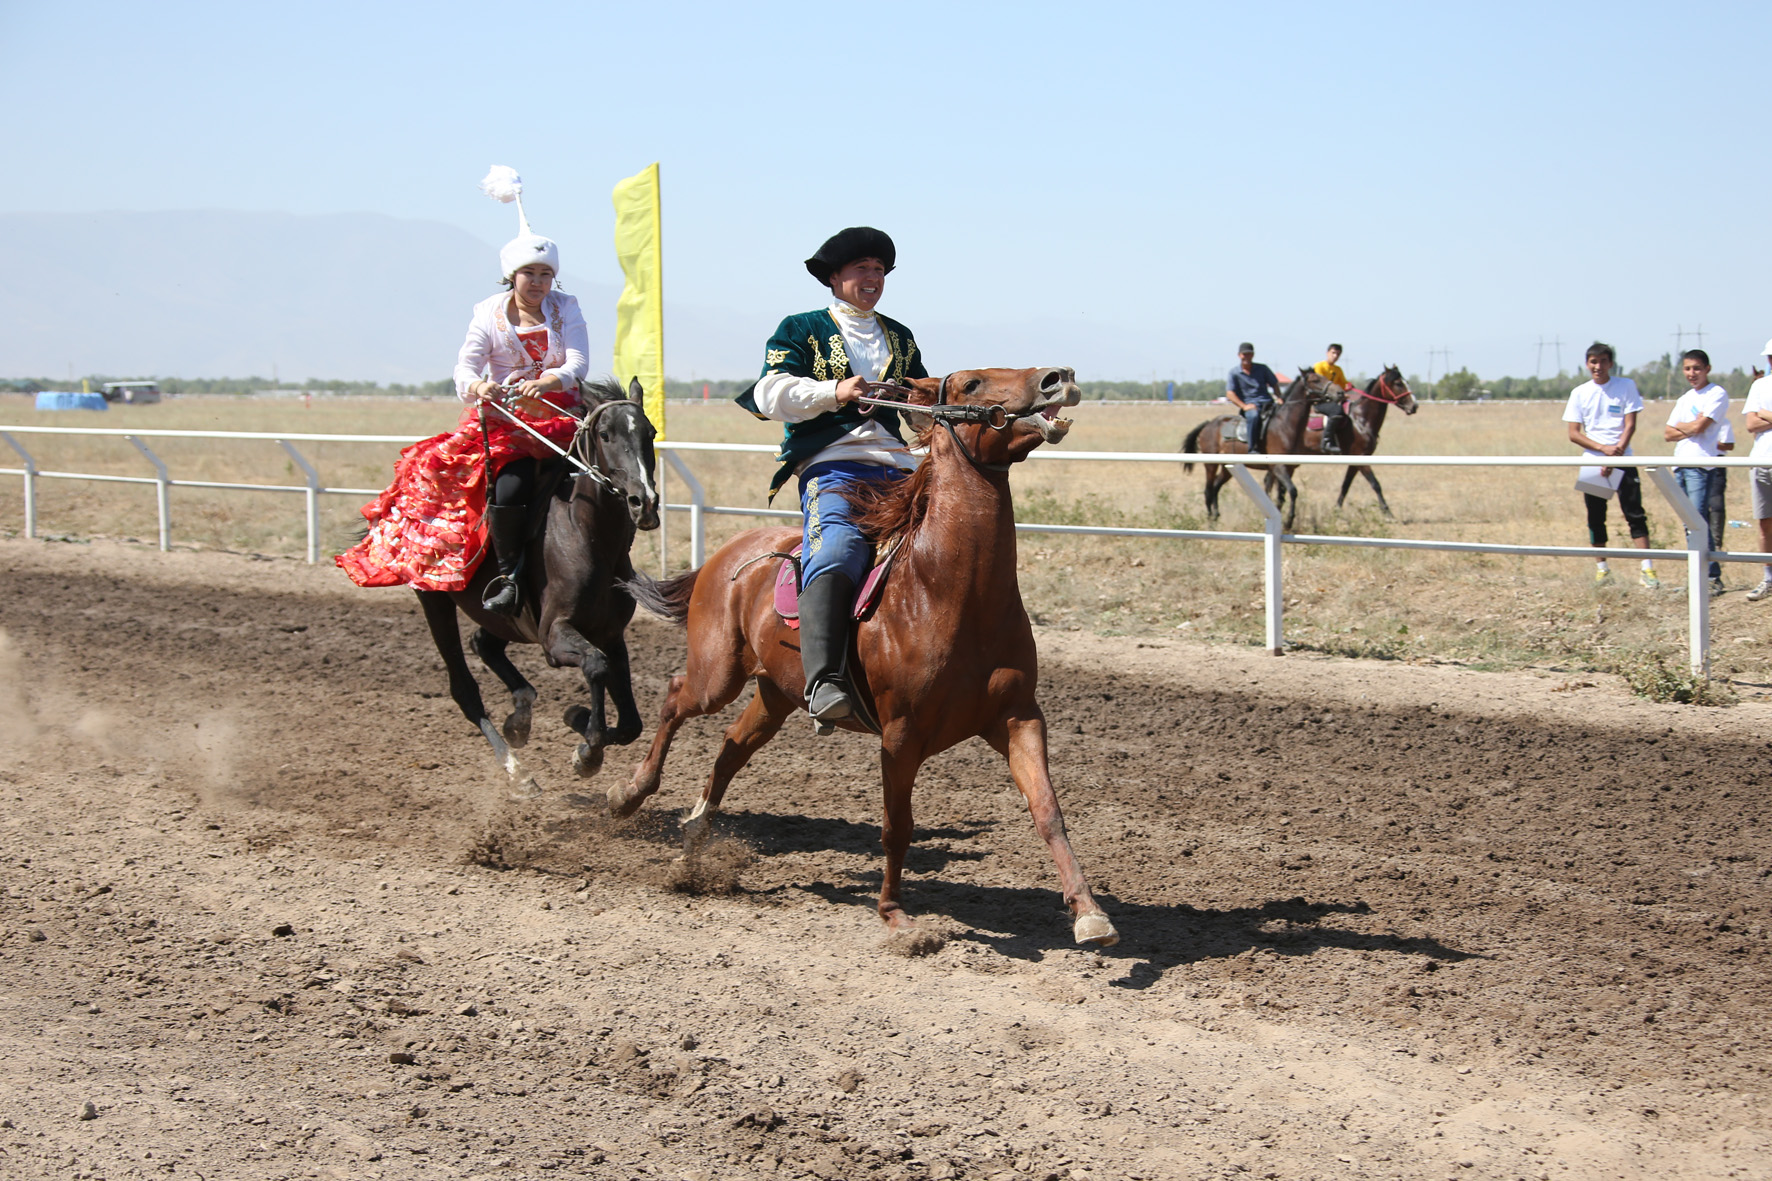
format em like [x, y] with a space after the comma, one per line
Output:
[1045, 420]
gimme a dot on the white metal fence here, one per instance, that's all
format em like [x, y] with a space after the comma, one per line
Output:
[1273, 537]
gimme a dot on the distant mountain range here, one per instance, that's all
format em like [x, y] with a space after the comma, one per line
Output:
[217, 293]
[362, 296]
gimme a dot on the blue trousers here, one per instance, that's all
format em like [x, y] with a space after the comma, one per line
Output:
[1697, 483]
[833, 541]
[1252, 417]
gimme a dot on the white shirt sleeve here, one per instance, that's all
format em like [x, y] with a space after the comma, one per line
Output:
[470, 363]
[576, 342]
[787, 398]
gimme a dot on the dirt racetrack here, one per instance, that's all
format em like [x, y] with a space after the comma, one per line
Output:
[268, 913]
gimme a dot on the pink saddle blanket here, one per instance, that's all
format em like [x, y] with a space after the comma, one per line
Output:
[1315, 423]
[787, 588]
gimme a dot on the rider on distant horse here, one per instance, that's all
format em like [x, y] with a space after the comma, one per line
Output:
[1334, 413]
[533, 337]
[813, 371]
[1251, 388]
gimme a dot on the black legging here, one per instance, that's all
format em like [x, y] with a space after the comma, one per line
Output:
[515, 481]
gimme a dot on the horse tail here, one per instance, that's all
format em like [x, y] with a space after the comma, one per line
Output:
[668, 599]
[1191, 444]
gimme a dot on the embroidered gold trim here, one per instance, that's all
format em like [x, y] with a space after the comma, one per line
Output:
[774, 356]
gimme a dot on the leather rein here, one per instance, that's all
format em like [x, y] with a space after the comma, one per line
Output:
[1385, 394]
[947, 414]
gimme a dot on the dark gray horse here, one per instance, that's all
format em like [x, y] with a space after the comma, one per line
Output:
[1358, 431]
[1285, 436]
[575, 604]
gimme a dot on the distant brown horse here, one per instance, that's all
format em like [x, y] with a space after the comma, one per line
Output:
[948, 655]
[1285, 436]
[1358, 433]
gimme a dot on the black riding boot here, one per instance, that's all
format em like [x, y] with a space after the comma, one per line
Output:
[825, 607]
[504, 526]
[1332, 434]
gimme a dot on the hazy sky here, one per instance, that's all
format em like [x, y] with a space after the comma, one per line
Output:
[1178, 176]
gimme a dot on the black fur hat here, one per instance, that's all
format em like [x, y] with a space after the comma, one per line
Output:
[845, 246]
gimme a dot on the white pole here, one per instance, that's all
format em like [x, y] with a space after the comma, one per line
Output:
[30, 485]
[698, 536]
[162, 500]
[313, 499]
[1270, 552]
[1697, 567]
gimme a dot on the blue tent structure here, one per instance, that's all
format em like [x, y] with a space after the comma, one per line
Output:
[55, 400]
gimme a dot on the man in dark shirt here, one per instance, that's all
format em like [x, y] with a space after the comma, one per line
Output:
[1248, 388]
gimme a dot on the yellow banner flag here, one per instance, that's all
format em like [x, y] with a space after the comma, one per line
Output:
[639, 313]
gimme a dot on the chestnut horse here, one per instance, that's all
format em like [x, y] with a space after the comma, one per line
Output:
[1285, 436]
[948, 654]
[1365, 418]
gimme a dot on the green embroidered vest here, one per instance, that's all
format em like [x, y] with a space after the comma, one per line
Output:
[811, 345]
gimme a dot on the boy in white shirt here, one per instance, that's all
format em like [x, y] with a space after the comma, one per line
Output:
[1758, 420]
[1693, 428]
[1602, 417]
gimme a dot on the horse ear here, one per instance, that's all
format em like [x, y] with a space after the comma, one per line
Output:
[635, 392]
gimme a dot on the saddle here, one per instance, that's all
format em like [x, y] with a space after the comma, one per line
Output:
[787, 586]
[1236, 429]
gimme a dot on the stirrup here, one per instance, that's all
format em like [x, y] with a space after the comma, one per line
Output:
[502, 596]
[829, 703]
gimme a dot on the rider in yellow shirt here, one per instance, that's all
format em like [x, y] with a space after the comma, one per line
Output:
[1336, 413]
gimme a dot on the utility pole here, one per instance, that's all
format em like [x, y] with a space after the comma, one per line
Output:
[1538, 367]
[1442, 352]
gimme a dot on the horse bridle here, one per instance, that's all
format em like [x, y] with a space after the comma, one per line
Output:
[1385, 393]
[588, 466]
[947, 414]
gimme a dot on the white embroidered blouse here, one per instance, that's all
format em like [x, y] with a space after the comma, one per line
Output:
[492, 347]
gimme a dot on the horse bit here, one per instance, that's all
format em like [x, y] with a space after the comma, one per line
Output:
[946, 414]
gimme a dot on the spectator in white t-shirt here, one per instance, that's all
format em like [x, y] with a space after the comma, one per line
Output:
[1602, 417]
[1757, 412]
[1693, 428]
[1719, 489]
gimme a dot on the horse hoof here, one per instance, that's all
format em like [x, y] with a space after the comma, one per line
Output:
[516, 729]
[525, 789]
[576, 717]
[1096, 929]
[624, 801]
[587, 760]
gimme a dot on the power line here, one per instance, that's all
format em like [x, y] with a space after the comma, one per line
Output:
[1538, 365]
[1439, 352]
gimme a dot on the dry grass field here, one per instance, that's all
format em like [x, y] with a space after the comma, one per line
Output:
[1476, 610]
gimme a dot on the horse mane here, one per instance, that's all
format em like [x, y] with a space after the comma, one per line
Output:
[888, 509]
[602, 389]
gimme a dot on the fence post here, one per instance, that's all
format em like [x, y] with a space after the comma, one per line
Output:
[313, 499]
[1697, 567]
[162, 500]
[698, 536]
[30, 485]
[1273, 526]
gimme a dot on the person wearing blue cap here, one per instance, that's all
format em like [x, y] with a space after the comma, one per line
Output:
[1251, 388]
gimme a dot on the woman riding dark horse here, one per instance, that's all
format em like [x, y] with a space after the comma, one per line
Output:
[556, 474]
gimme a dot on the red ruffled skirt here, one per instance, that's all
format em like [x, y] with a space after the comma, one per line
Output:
[428, 529]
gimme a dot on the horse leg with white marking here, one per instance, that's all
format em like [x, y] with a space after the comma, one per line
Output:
[440, 617]
[491, 650]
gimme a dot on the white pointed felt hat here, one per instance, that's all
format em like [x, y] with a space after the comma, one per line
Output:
[502, 183]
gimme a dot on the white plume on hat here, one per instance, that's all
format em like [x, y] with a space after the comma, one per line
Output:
[502, 183]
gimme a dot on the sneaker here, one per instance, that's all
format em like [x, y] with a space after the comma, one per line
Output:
[1650, 582]
[1759, 592]
[1602, 578]
[1716, 587]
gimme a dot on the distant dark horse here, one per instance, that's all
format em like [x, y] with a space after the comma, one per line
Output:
[1365, 417]
[575, 603]
[1285, 436]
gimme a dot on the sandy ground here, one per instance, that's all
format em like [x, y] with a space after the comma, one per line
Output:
[268, 912]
